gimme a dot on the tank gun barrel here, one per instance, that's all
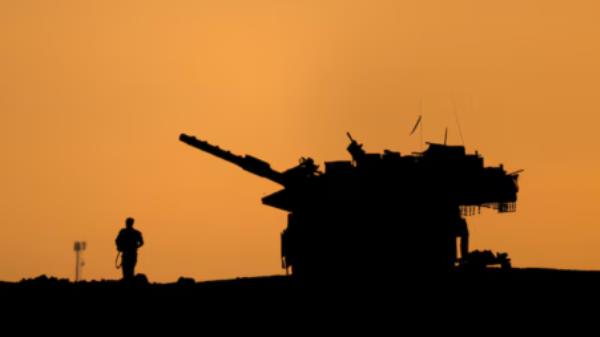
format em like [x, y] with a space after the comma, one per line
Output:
[248, 163]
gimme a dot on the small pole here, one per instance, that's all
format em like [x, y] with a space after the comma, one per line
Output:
[78, 247]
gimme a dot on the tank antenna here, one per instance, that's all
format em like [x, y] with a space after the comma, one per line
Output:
[422, 139]
[418, 124]
[446, 137]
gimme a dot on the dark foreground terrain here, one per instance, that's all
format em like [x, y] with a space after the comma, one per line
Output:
[495, 296]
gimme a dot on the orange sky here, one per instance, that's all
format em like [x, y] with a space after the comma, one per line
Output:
[93, 96]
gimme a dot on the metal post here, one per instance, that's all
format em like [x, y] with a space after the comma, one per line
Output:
[78, 247]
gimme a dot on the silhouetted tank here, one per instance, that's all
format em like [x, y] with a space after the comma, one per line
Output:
[378, 211]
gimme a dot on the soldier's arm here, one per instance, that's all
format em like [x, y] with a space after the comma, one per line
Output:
[118, 241]
[141, 240]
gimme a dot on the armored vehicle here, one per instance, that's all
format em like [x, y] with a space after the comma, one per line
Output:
[378, 212]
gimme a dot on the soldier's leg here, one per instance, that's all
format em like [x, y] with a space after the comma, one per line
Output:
[133, 263]
[464, 244]
[127, 266]
[463, 233]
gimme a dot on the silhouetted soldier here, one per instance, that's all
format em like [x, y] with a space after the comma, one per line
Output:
[459, 230]
[128, 241]
[462, 232]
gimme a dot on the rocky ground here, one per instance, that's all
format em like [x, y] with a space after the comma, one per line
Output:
[552, 296]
